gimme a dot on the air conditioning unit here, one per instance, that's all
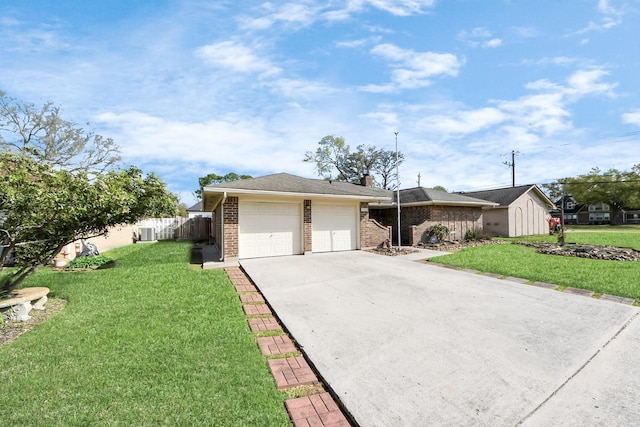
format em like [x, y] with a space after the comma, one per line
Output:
[147, 234]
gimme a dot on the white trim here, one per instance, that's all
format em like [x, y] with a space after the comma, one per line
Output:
[234, 191]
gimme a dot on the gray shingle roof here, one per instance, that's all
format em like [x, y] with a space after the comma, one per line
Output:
[287, 183]
[503, 196]
[421, 194]
[196, 208]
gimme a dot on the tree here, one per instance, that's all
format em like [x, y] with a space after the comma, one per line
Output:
[618, 189]
[44, 209]
[385, 168]
[333, 154]
[213, 179]
[440, 188]
[42, 134]
[182, 210]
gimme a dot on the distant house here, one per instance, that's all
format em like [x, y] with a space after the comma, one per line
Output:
[421, 208]
[196, 210]
[594, 213]
[520, 211]
[570, 207]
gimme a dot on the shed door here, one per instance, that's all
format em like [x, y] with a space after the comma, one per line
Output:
[335, 227]
[269, 229]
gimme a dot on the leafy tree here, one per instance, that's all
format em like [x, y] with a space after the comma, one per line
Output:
[440, 188]
[213, 179]
[385, 168]
[44, 208]
[182, 210]
[617, 188]
[42, 134]
[333, 154]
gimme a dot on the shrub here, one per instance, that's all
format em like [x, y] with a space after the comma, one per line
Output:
[89, 262]
[473, 234]
[439, 231]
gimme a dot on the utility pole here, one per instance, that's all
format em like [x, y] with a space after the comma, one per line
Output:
[512, 165]
[419, 179]
[398, 189]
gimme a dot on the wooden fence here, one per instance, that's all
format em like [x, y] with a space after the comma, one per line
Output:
[177, 228]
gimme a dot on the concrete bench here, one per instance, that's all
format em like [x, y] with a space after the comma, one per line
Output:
[20, 302]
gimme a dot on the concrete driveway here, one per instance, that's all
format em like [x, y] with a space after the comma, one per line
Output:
[402, 343]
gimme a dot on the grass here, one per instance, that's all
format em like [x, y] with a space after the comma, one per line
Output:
[610, 236]
[621, 278]
[149, 342]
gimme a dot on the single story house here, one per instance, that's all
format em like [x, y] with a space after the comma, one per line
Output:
[196, 210]
[283, 214]
[421, 208]
[520, 211]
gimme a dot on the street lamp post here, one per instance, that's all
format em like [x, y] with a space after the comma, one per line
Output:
[398, 190]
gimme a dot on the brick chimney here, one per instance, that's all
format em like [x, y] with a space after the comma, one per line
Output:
[366, 180]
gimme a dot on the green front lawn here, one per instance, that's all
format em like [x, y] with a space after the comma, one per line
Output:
[620, 278]
[147, 342]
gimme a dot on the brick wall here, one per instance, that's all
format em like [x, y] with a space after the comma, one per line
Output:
[415, 221]
[307, 226]
[230, 219]
[372, 233]
[458, 219]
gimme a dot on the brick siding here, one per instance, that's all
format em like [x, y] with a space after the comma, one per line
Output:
[308, 229]
[415, 221]
[372, 233]
[231, 244]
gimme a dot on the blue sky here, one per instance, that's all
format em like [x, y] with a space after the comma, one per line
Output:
[190, 87]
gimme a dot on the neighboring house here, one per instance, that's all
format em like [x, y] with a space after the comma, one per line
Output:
[520, 211]
[571, 209]
[595, 213]
[421, 208]
[196, 210]
[284, 214]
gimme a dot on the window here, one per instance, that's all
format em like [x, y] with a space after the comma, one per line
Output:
[570, 205]
[600, 216]
[598, 207]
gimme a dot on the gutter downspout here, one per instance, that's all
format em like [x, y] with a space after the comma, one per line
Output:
[224, 199]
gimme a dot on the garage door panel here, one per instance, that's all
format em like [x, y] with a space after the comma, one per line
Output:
[269, 229]
[334, 227]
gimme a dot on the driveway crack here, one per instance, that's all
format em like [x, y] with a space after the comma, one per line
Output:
[584, 365]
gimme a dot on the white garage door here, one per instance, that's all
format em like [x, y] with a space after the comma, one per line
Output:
[335, 227]
[269, 229]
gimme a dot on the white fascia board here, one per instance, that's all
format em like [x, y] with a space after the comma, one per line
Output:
[236, 191]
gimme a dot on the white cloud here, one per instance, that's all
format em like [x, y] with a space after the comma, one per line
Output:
[414, 69]
[464, 122]
[231, 142]
[399, 7]
[304, 14]
[632, 117]
[562, 61]
[288, 14]
[580, 83]
[236, 57]
[479, 37]
[611, 17]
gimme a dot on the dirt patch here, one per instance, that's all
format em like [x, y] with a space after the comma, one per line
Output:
[10, 330]
[610, 253]
[392, 251]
